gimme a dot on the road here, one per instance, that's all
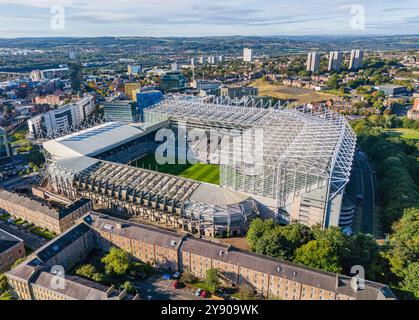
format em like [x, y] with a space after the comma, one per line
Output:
[368, 195]
[30, 240]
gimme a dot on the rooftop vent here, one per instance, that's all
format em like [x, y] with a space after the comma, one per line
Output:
[172, 243]
[108, 226]
[221, 253]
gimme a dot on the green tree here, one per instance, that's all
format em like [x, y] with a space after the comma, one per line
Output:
[319, 254]
[257, 229]
[88, 271]
[116, 262]
[129, 287]
[404, 243]
[411, 280]
[3, 283]
[212, 279]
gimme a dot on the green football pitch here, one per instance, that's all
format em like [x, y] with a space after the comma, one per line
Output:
[201, 172]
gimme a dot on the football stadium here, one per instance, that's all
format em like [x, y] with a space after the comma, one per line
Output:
[268, 161]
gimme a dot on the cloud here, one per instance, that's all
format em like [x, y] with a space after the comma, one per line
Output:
[216, 17]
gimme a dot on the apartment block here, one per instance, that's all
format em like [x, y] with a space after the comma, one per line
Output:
[44, 214]
[166, 250]
[313, 61]
[11, 249]
[335, 61]
[62, 118]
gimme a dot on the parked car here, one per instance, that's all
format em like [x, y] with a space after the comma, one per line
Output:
[148, 298]
[203, 294]
[167, 277]
[175, 284]
[176, 275]
[198, 292]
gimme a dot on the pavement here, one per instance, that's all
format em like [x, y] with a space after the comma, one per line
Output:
[30, 240]
[160, 289]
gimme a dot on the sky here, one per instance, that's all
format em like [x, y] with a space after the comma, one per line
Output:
[156, 18]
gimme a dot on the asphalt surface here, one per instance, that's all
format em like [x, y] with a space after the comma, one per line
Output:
[160, 289]
[368, 201]
[30, 240]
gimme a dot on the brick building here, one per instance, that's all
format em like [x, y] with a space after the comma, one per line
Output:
[11, 249]
[44, 214]
[170, 251]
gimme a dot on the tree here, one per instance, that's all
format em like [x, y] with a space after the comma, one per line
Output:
[3, 283]
[212, 279]
[88, 271]
[404, 243]
[188, 277]
[129, 287]
[257, 229]
[411, 280]
[116, 262]
[319, 254]
[364, 251]
[333, 81]
[246, 292]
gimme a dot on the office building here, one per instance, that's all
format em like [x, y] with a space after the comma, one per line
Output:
[172, 81]
[194, 61]
[356, 60]
[174, 67]
[51, 216]
[5, 149]
[392, 90]
[172, 252]
[238, 92]
[335, 61]
[75, 69]
[220, 58]
[123, 111]
[206, 84]
[62, 118]
[247, 55]
[11, 249]
[133, 69]
[146, 99]
[313, 61]
[131, 88]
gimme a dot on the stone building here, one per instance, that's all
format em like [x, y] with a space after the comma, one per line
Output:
[44, 214]
[166, 250]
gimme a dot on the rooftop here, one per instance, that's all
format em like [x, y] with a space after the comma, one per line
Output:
[7, 241]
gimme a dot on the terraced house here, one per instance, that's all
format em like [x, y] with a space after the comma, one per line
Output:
[44, 214]
[171, 251]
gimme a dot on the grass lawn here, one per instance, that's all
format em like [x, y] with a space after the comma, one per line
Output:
[43, 233]
[408, 134]
[201, 172]
[292, 94]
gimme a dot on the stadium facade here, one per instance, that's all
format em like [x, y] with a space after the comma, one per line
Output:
[301, 165]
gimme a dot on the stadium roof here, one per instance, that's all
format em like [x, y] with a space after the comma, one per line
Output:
[95, 140]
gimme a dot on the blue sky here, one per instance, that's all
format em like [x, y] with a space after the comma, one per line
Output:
[23, 18]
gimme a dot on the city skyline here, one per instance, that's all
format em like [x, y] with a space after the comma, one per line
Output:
[188, 18]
